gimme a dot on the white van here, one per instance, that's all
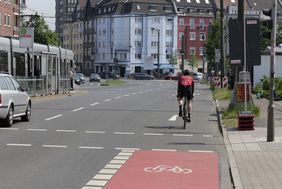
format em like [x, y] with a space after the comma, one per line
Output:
[198, 76]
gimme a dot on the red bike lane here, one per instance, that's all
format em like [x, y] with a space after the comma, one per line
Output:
[167, 170]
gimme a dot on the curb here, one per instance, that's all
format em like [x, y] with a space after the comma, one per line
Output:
[234, 171]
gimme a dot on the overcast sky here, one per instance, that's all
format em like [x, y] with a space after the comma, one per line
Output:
[43, 7]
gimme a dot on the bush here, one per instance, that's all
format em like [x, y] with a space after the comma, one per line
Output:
[262, 88]
[221, 93]
[232, 111]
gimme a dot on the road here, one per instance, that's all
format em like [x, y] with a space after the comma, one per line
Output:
[98, 138]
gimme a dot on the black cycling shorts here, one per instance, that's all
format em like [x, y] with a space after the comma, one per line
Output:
[185, 91]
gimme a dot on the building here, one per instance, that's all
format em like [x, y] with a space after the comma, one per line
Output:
[9, 18]
[64, 10]
[194, 18]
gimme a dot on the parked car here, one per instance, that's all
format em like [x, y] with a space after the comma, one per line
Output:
[171, 77]
[142, 76]
[14, 101]
[79, 78]
[198, 76]
[94, 77]
[109, 75]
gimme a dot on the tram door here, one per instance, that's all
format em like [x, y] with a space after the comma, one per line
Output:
[51, 74]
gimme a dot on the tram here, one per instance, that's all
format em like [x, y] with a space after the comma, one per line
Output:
[45, 63]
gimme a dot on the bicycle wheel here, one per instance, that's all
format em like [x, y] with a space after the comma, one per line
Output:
[185, 111]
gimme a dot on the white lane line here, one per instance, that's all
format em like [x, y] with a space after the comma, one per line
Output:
[108, 100]
[154, 134]
[102, 177]
[90, 187]
[91, 147]
[54, 117]
[165, 150]
[201, 151]
[124, 133]
[81, 108]
[20, 145]
[108, 171]
[94, 104]
[182, 135]
[42, 130]
[173, 118]
[128, 149]
[133, 93]
[9, 129]
[118, 97]
[208, 136]
[117, 161]
[96, 183]
[54, 146]
[95, 132]
[126, 95]
[112, 166]
[67, 131]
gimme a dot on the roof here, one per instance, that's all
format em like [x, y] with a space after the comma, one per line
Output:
[194, 3]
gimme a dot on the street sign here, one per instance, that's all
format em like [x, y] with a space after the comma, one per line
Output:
[26, 37]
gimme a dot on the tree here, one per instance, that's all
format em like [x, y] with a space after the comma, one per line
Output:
[173, 60]
[213, 43]
[42, 33]
[194, 62]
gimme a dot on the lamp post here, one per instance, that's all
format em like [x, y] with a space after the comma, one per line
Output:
[158, 57]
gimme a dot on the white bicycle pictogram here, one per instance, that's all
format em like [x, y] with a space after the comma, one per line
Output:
[165, 168]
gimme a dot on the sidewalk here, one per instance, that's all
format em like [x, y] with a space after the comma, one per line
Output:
[255, 163]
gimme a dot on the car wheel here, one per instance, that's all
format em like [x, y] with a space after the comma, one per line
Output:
[27, 115]
[10, 117]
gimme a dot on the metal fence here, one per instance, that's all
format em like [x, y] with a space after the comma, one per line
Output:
[43, 86]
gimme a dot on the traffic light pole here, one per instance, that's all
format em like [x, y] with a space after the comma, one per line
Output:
[270, 116]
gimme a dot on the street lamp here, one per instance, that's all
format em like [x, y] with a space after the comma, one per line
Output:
[158, 65]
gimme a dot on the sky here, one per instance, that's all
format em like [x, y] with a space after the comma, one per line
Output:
[43, 7]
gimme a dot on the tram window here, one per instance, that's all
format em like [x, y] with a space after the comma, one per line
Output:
[3, 61]
[20, 64]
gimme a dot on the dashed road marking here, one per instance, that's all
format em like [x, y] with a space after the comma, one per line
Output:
[94, 104]
[54, 117]
[19, 145]
[207, 136]
[95, 132]
[124, 133]
[10, 129]
[108, 100]
[81, 108]
[118, 97]
[91, 147]
[41, 130]
[54, 146]
[182, 135]
[153, 134]
[166, 150]
[66, 131]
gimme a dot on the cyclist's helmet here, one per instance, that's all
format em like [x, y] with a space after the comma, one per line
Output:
[186, 72]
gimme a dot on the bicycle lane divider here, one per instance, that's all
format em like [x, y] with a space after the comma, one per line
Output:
[166, 170]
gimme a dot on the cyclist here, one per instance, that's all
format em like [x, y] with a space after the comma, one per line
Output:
[185, 89]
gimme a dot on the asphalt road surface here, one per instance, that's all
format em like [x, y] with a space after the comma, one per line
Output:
[118, 137]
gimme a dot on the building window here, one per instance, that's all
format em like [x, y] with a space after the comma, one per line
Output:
[156, 20]
[192, 23]
[138, 43]
[192, 51]
[138, 19]
[168, 33]
[154, 44]
[155, 56]
[168, 44]
[181, 21]
[202, 36]
[181, 34]
[202, 24]
[201, 51]
[138, 31]
[192, 36]
[138, 56]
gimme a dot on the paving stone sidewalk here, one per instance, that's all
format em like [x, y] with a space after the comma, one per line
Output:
[255, 163]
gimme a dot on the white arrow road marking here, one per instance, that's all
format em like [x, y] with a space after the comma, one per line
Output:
[173, 118]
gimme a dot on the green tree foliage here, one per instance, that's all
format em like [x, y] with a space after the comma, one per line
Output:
[194, 62]
[213, 43]
[173, 60]
[42, 33]
[265, 30]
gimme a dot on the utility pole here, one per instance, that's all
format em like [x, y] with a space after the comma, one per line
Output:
[158, 71]
[222, 44]
[270, 116]
[182, 52]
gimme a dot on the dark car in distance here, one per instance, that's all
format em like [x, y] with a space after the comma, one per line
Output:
[142, 76]
[79, 78]
[109, 75]
[94, 77]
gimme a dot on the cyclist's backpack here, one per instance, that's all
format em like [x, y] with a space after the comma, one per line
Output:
[186, 80]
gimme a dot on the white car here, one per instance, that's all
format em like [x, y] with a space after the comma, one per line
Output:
[14, 101]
